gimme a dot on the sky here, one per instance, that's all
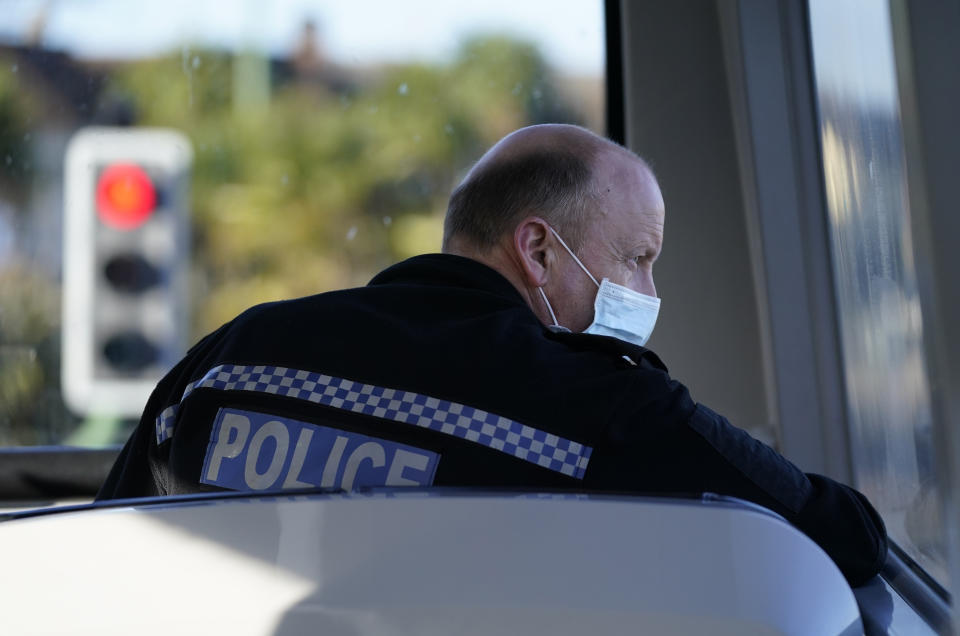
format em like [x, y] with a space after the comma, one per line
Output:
[569, 32]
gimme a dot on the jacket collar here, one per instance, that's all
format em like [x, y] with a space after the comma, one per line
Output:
[448, 270]
[457, 271]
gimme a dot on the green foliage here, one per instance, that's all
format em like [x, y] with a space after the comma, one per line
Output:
[299, 184]
[497, 67]
[15, 107]
[321, 187]
[31, 411]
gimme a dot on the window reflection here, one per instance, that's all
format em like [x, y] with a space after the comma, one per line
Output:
[317, 160]
[874, 277]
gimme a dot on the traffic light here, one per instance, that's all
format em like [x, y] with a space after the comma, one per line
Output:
[125, 261]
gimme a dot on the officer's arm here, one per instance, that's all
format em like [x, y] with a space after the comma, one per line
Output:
[672, 445]
[132, 474]
[837, 517]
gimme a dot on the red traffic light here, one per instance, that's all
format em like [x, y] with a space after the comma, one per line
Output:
[125, 196]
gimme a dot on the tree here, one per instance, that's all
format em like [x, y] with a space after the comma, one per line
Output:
[319, 187]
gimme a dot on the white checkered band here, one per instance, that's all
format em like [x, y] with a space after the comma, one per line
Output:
[493, 431]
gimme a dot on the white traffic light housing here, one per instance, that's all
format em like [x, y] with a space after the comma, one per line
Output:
[125, 259]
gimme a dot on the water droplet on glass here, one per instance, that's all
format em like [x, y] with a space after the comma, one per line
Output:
[517, 88]
[285, 179]
[15, 68]
[403, 89]
[196, 61]
[9, 160]
[387, 221]
[184, 55]
[352, 233]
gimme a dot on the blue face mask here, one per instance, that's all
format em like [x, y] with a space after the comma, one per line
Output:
[618, 311]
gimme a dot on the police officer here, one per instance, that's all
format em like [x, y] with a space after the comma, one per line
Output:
[513, 359]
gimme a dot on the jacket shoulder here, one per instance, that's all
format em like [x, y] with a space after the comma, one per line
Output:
[630, 353]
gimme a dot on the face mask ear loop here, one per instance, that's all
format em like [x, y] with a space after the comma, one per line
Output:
[553, 316]
[570, 251]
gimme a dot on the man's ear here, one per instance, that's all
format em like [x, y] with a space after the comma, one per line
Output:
[532, 246]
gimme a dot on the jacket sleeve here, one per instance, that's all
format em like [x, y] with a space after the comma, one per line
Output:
[859, 545]
[838, 518]
[133, 473]
[673, 445]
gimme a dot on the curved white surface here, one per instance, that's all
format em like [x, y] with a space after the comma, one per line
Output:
[408, 563]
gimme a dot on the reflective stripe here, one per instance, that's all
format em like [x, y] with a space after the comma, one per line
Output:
[451, 418]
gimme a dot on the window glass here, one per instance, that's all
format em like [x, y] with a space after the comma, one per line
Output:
[322, 142]
[876, 286]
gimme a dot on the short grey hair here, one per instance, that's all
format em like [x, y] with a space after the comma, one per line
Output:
[554, 183]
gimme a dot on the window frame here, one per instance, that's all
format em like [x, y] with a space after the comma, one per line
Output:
[925, 53]
[770, 86]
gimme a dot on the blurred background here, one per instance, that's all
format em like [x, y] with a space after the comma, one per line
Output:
[324, 146]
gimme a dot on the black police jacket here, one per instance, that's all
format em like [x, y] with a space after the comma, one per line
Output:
[438, 373]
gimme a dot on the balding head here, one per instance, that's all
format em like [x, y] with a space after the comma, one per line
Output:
[546, 182]
[546, 171]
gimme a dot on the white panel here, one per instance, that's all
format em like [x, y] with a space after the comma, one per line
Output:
[411, 564]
